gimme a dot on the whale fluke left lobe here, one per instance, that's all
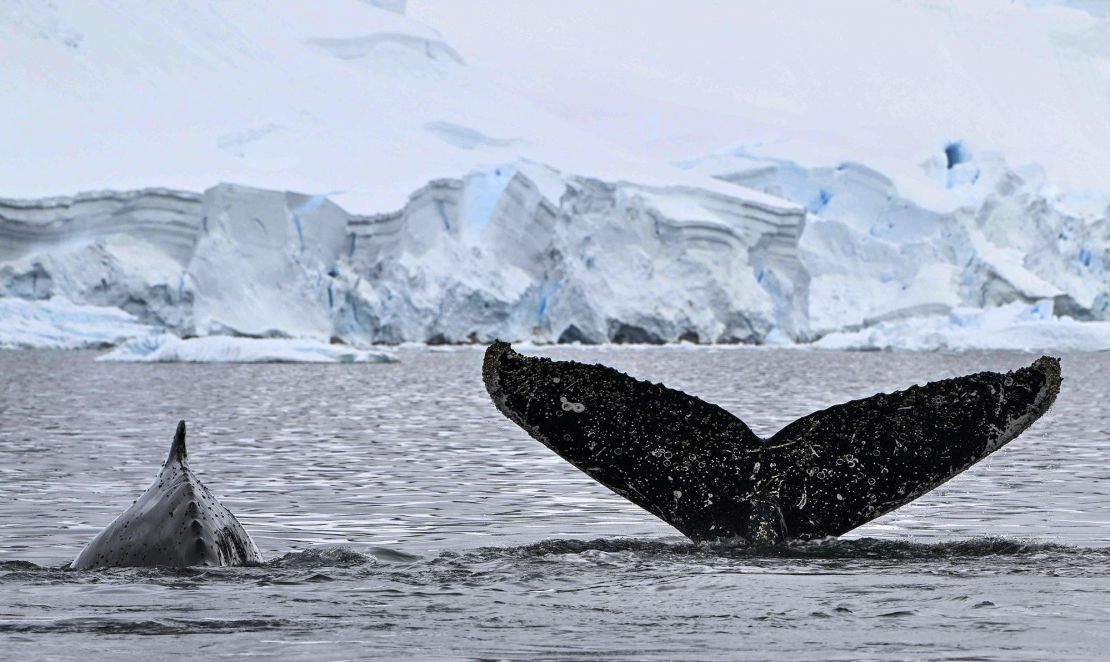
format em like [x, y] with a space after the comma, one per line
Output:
[686, 461]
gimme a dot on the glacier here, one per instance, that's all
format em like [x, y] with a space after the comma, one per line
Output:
[985, 236]
[380, 187]
[836, 255]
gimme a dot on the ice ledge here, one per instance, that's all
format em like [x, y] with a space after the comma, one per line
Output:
[60, 324]
[1015, 326]
[167, 348]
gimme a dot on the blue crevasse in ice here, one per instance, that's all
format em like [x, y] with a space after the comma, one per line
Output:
[545, 296]
[955, 153]
[312, 204]
[484, 189]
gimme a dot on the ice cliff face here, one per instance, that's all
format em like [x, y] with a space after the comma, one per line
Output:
[524, 252]
[124, 250]
[995, 236]
[517, 251]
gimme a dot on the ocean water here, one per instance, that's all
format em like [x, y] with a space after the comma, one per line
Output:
[402, 516]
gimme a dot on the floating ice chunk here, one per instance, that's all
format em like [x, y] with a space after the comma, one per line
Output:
[1015, 326]
[60, 324]
[166, 348]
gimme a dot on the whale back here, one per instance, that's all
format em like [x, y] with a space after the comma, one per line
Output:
[686, 461]
[176, 522]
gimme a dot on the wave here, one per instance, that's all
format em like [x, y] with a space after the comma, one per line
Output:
[829, 548]
[119, 626]
[339, 557]
[312, 564]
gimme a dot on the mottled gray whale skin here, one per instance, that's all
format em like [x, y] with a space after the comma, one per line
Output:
[176, 522]
[703, 471]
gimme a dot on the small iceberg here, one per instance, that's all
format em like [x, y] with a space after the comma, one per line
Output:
[1014, 326]
[167, 348]
[58, 323]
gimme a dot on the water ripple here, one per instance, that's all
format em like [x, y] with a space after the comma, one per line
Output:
[404, 517]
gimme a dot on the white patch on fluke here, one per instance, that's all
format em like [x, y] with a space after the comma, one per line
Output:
[576, 407]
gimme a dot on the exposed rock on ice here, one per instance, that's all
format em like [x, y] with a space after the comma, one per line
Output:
[167, 348]
[59, 324]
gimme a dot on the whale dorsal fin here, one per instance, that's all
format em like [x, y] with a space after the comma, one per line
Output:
[176, 522]
[177, 448]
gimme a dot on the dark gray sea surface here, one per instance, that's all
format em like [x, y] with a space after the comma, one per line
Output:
[403, 516]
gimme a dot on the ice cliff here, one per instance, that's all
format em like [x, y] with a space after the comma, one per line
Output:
[517, 251]
[123, 250]
[524, 252]
[980, 235]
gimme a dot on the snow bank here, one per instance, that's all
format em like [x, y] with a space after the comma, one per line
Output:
[1014, 327]
[60, 324]
[882, 82]
[167, 348]
[351, 99]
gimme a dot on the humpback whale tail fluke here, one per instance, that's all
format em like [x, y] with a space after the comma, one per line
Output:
[702, 470]
[176, 522]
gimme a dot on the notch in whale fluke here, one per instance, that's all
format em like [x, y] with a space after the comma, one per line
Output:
[702, 470]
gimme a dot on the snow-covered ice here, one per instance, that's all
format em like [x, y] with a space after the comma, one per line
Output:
[352, 100]
[1014, 326]
[166, 348]
[60, 324]
[886, 83]
[853, 185]
[998, 235]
